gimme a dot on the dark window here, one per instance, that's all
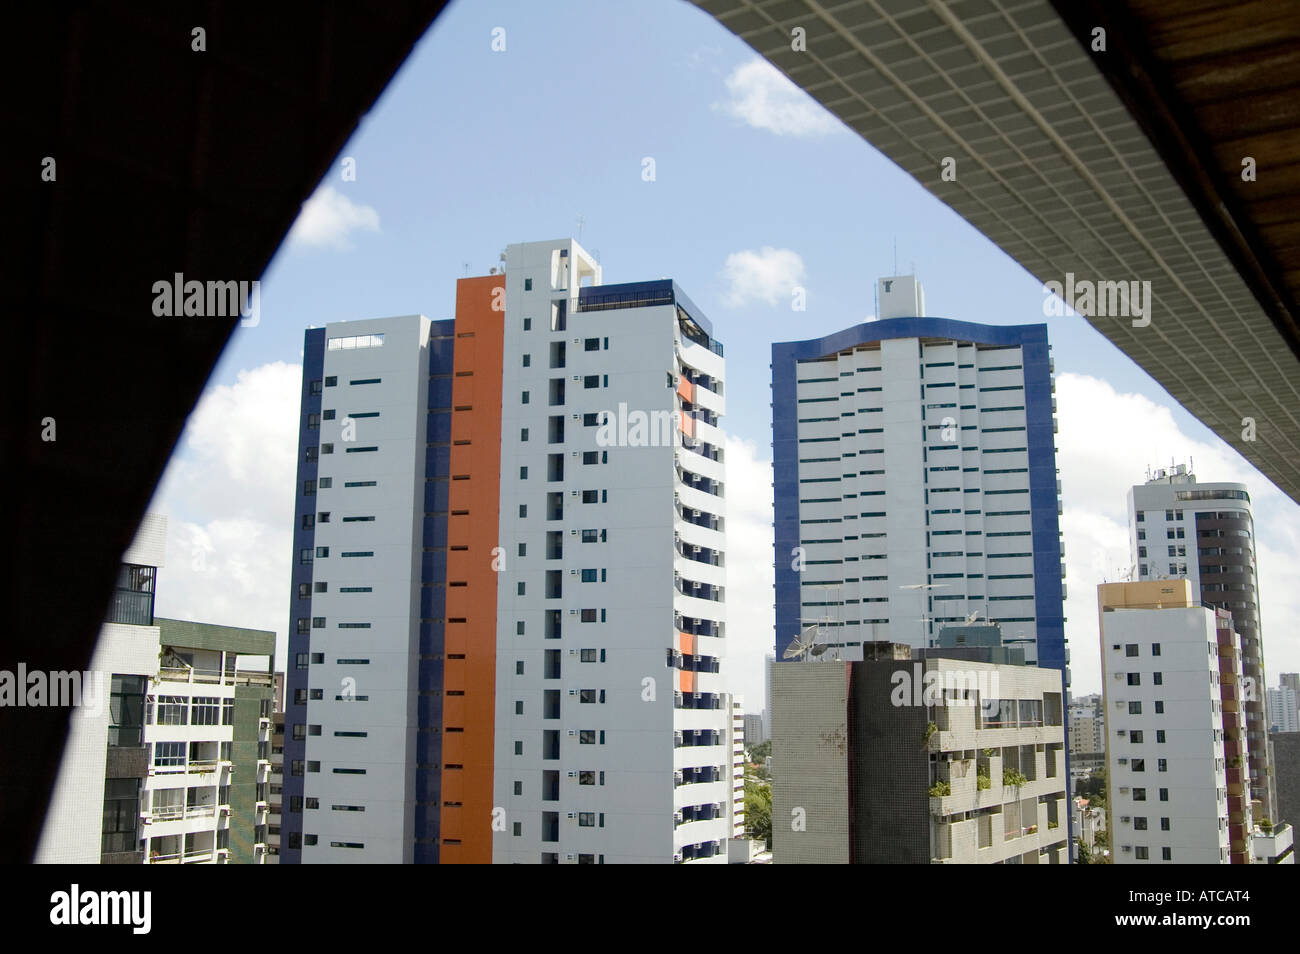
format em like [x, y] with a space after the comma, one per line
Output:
[132, 601]
[121, 814]
[126, 710]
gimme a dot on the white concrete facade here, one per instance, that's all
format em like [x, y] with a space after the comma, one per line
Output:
[603, 565]
[1166, 771]
[867, 563]
[366, 574]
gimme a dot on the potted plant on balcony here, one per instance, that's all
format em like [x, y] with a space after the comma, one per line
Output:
[1013, 779]
[940, 789]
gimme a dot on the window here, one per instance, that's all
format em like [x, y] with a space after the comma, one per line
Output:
[1162, 765]
[587, 655]
[1155, 649]
[528, 322]
[1140, 852]
[519, 667]
[1160, 735]
[1164, 794]
[1166, 854]
[1157, 679]
[309, 488]
[523, 510]
[1139, 823]
[1164, 824]
[206, 710]
[322, 552]
[172, 710]
[121, 814]
[315, 387]
[1135, 736]
[1131, 649]
[313, 422]
[327, 414]
[528, 286]
[323, 517]
[591, 344]
[1135, 708]
[586, 819]
[126, 708]
[1135, 679]
[1160, 707]
[588, 616]
[169, 754]
[523, 398]
[1140, 794]
[355, 341]
[326, 483]
[591, 381]
[1139, 765]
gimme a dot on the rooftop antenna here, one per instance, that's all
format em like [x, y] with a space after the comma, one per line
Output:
[581, 222]
[895, 255]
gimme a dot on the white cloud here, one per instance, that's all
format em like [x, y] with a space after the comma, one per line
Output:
[229, 493]
[329, 218]
[1106, 439]
[768, 275]
[763, 97]
[750, 615]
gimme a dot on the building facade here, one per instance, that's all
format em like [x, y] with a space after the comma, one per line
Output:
[915, 482]
[1204, 532]
[1282, 715]
[1167, 771]
[171, 765]
[877, 767]
[509, 594]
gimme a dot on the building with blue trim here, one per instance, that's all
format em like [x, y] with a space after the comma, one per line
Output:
[915, 483]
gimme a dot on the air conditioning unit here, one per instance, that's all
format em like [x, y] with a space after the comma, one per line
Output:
[573, 732]
[573, 814]
[1124, 818]
[573, 775]
[573, 573]
[573, 692]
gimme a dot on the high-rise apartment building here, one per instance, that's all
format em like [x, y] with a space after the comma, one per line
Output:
[168, 762]
[1170, 675]
[1205, 533]
[1086, 722]
[1282, 715]
[916, 482]
[508, 600]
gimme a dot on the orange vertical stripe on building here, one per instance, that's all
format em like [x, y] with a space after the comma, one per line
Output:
[480, 341]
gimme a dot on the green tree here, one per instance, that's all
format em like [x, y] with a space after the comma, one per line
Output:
[758, 811]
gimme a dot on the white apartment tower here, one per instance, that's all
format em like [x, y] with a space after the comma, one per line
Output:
[508, 599]
[916, 483]
[614, 729]
[1166, 767]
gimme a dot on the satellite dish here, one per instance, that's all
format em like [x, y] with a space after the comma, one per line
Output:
[804, 645]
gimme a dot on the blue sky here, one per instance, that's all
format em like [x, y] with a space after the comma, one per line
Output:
[755, 189]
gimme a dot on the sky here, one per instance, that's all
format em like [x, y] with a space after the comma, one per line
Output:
[669, 149]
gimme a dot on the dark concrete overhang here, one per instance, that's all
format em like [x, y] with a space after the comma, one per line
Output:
[1115, 165]
[167, 160]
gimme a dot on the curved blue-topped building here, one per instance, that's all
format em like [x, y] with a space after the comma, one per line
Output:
[916, 483]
